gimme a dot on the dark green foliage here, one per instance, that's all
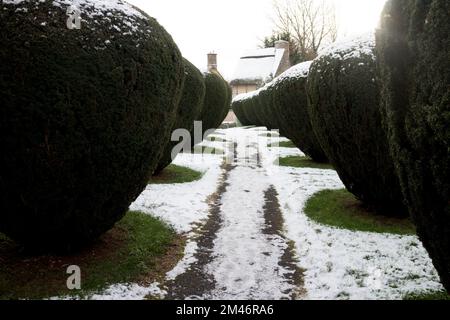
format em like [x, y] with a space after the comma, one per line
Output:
[344, 109]
[227, 108]
[291, 106]
[252, 112]
[282, 105]
[238, 108]
[246, 109]
[217, 101]
[266, 108]
[189, 109]
[84, 117]
[414, 58]
[295, 55]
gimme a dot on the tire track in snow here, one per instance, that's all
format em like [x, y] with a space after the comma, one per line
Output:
[195, 282]
[274, 228]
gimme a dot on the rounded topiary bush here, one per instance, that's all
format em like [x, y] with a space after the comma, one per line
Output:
[189, 109]
[250, 108]
[291, 106]
[227, 107]
[217, 101]
[84, 117]
[265, 101]
[238, 108]
[344, 108]
[413, 44]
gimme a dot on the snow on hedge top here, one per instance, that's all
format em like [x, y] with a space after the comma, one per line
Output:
[120, 15]
[298, 71]
[96, 7]
[351, 48]
[246, 96]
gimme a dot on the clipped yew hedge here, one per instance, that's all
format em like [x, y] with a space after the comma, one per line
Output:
[227, 108]
[344, 108]
[189, 109]
[238, 108]
[84, 117]
[217, 101]
[246, 109]
[291, 106]
[414, 59]
[253, 110]
[283, 105]
[266, 108]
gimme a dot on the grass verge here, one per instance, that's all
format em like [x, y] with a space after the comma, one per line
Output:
[303, 162]
[339, 208]
[176, 174]
[139, 249]
[283, 144]
[433, 295]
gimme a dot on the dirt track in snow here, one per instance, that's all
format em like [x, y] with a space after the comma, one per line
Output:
[196, 282]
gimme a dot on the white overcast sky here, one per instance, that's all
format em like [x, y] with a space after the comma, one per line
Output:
[231, 27]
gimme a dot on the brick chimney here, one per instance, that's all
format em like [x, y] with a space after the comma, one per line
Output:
[212, 62]
[285, 61]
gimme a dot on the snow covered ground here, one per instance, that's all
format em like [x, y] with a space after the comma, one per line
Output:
[183, 205]
[342, 264]
[245, 262]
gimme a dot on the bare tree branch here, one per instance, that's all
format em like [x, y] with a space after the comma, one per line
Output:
[311, 24]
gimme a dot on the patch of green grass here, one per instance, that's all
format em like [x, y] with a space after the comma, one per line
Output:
[283, 144]
[135, 250]
[176, 174]
[433, 295]
[303, 162]
[340, 208]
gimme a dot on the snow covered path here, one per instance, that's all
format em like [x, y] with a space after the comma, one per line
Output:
[246, 260]
[241, 254]
[248, 237]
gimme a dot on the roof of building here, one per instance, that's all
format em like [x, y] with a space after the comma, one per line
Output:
[258, 66]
